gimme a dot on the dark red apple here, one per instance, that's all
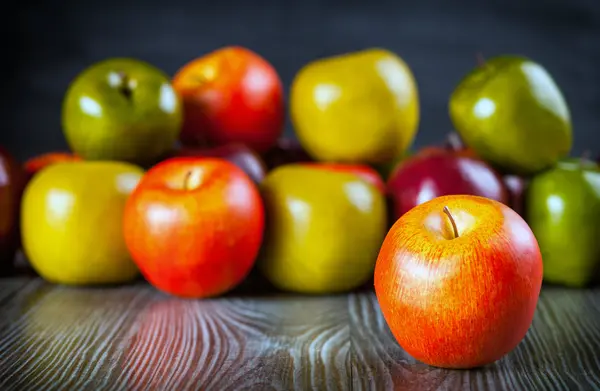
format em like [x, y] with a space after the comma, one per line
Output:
[515, 185]
[12, 182]
[516, 189]
[442, 171]
[240, 155]
[286, 151]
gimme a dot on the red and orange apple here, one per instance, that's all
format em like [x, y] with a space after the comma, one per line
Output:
[231, 95]
[194, 226]
[458, 280]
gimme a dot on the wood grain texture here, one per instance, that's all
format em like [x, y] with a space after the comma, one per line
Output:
[560, 352]
[135, 338]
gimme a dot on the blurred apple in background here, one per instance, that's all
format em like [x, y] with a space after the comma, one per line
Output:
[515, 184]
[324, 229]
[37, 163]
[12, 182]
[286, 151]
[359, 107]
[511, 112]
[240, 155]
[442, 171]
[563, 211]
[121, 109]
[231, 95]
[194, 226]
[72, 222]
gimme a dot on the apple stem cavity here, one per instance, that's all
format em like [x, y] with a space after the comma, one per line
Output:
[124, 87]
[192, 180]
[454, 227]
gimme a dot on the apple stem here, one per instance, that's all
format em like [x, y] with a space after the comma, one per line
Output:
[454, 227]
[124, 87]
[192, 179]
[480, 59]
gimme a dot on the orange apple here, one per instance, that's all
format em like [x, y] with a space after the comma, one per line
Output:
[194, 226]
[458, 280]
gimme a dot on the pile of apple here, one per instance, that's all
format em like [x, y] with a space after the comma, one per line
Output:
[189, 181]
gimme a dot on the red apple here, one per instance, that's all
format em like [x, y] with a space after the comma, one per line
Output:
[194, 226]
[35, 164]
[442, 171]
[458, 280]
[231, 95]
[238, 154]
[286, 151]
[366, 173]
[12, 182]
[515, 185]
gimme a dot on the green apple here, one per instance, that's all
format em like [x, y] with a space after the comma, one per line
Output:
[512, 114]
[121, 109]
[563, 211]
[324, 229]
[71, 222]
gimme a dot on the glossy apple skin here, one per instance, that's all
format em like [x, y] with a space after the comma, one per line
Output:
[238, 154]
[286, 151]
[35, 164]
[324, 229]
[200, 241]
[358, 107]
[365, 172]
[71, 222]
[231, 95]
[121, 109]
[459, 302]
[512, 113]
[437, 172]
[12, 182]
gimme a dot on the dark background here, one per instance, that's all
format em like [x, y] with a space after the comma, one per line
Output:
[48, 43]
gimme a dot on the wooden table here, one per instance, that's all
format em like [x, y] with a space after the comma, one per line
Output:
[134, 338]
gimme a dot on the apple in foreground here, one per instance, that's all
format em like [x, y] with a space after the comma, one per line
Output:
[194, 226]
[121, 109]
[231, 95]
[438, 171]
[458, 280]
[12, 181]
[71, 222]
[238, 154]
